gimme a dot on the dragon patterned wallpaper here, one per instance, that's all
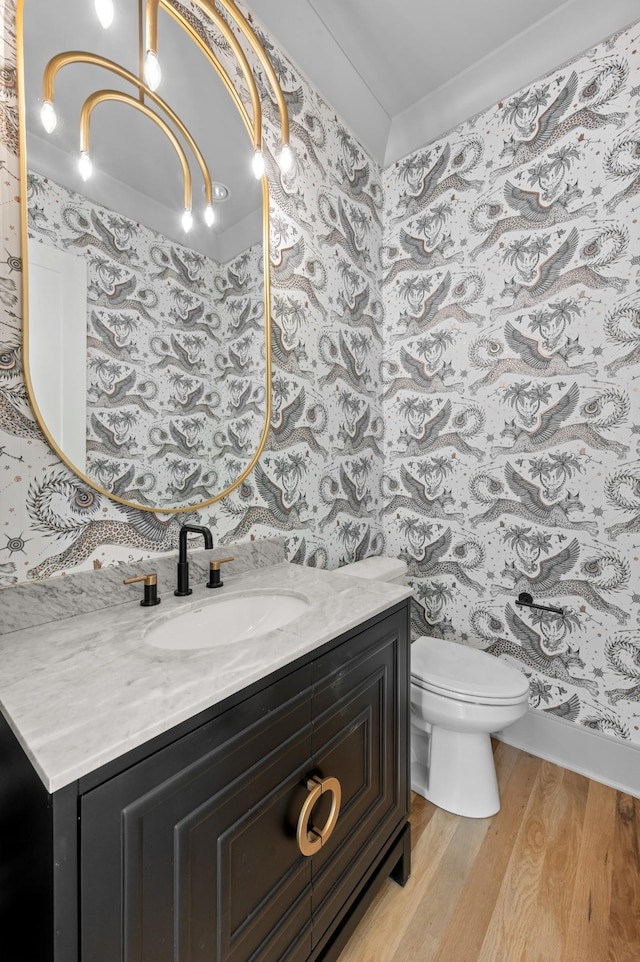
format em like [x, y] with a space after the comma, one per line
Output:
[512, 344]
[164, 324]
[482, 425]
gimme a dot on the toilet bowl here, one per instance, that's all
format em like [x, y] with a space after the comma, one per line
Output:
[459, 695]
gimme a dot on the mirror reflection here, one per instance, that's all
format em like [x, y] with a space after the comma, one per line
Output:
[146, 293]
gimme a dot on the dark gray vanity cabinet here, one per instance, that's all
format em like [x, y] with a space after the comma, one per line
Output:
[189, 853]
[200, 839]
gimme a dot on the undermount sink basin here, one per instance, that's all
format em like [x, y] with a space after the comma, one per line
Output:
[225, 620]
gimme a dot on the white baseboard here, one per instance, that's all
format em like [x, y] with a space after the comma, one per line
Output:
[608, 760]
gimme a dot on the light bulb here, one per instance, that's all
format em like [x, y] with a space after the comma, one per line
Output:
[48, 116]
[209, 215]
[84, 165]
[285, 159]
[152, 72]
[257, 164]
[187, 220]
[104, 12]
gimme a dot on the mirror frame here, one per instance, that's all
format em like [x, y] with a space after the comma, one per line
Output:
[22, 134]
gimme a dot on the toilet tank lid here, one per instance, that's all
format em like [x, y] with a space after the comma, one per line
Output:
[377, 568]
[453, 667]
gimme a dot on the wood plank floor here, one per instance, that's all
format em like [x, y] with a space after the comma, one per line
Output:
[553, 877]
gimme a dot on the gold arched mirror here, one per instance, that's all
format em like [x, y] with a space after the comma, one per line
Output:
[145, 244]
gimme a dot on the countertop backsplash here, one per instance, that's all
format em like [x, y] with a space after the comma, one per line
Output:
[40, 602]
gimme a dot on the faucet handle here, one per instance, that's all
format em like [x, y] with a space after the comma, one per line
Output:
[214, 572]
[150, 588]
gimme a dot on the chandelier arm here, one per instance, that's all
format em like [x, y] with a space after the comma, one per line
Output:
[102, 96]
[222, 73]
[151, 25]
[80, 56]
[259, 50]
[228, 34]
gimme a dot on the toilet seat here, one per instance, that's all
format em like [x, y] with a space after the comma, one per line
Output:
[457, 695]
[466, 674]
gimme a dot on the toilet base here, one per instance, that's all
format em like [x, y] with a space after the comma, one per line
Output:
[465, 780]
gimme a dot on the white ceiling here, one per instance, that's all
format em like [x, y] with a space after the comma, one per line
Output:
[402, 72]
[399, 73]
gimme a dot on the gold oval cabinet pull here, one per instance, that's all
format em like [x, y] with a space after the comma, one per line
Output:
[310, 840]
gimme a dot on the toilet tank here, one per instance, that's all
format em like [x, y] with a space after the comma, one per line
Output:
[378, 569]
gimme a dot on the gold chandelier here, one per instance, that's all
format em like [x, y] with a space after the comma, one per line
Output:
[147, 83]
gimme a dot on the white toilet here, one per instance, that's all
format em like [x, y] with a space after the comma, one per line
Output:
[459, 695]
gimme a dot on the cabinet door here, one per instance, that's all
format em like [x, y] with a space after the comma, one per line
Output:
[360, 709]
[197, 843]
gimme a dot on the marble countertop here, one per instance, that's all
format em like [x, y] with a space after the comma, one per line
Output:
[81, 691]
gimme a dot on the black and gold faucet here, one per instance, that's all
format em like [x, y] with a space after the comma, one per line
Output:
[214, 572]
[150, 597]
[183, 565]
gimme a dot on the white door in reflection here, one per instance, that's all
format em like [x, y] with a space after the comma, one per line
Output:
[58, 345]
